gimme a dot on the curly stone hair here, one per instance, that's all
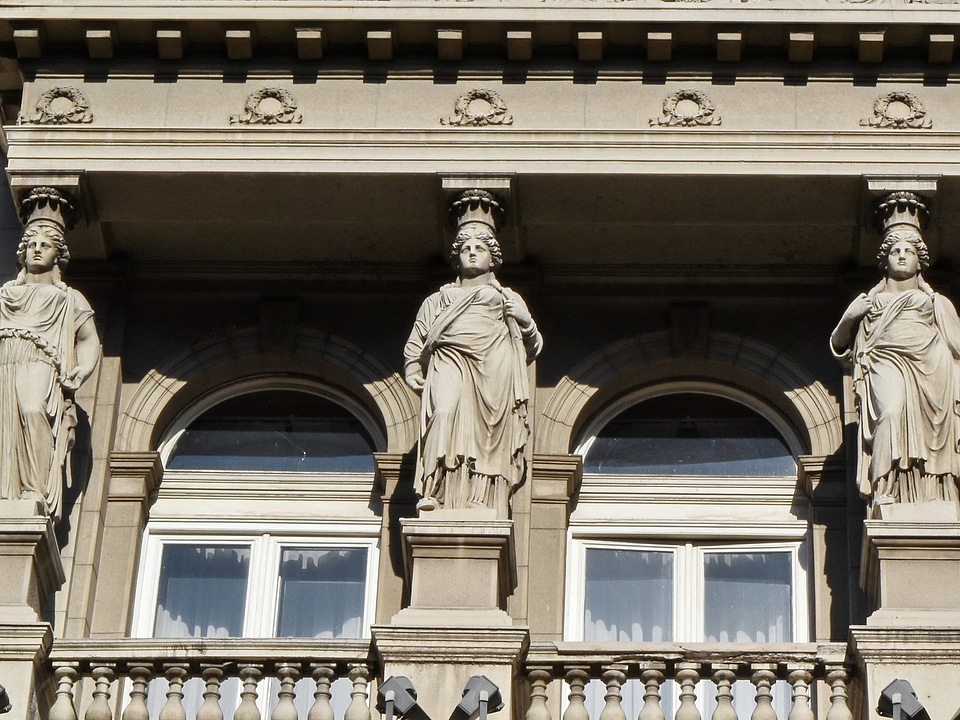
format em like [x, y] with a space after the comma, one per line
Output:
[899, 235]
[55, 233]
[490, 240]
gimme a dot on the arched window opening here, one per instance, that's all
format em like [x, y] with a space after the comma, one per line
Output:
[273, 430]
[688, 527]
[688, 433]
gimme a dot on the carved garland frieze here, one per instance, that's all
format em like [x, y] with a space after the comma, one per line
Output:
[687, 108]
[60, 106]
[269, 106]
[906, 112]
[478, 108]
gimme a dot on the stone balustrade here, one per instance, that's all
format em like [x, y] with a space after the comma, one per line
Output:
[817, 677]
[112, 679]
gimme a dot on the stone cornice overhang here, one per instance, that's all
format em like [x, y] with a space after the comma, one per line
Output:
[784, 12]
[715, 152]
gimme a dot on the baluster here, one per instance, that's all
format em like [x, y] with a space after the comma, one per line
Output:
[724, 677]
[839, 709]
[250, 675]
[764, 678]
[577, 679]
[137, 709]
[613, 677]
[539, 679]
[358, 709]
[173, 707]
[212, 678]
[287, 675]
[652, 679]
[323, 676]
[800, 679]
[100, 707]
[63, 707]
[687, 675]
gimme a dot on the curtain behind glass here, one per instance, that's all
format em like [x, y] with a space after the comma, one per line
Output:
[748, 597]
[628, 596]
[322, 592]
[202, 591]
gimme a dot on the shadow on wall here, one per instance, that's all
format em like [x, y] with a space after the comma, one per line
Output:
[10, 230]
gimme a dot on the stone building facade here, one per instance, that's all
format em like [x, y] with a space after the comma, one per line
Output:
[263, 192]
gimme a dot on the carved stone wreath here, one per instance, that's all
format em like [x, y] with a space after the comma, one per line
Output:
[916, 116]
[673, 115]
[466, 110]
[76, 109]
[254, 114]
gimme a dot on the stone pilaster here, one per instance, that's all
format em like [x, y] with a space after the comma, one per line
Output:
[134, 477]
[554, 480]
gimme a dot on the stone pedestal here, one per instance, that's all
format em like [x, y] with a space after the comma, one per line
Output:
[30, 572]
[440, 660]
[30, 568]
[462, 566]
[910, 572]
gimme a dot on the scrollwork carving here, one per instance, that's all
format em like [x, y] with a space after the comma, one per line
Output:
[269, 106]
[478, 108]
[914, 117]
[60, 106]
[687, 108]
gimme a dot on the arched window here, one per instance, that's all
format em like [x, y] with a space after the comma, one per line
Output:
[273, 430]
[265, 524]
[688, 526]
[687, 433]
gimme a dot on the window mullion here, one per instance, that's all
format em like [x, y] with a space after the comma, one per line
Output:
[261, 604]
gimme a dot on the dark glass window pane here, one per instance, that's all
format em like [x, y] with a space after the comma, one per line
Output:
[690, 434]
[202, 591]
[629, 596]
[275, 430]
[322, 592]
[748, 597]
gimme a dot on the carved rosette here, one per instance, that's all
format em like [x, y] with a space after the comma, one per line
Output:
[915, 116]
[60, 106]
[269, 106]
[478, 108]
[687, 108]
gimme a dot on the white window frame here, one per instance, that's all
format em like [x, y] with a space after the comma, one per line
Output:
[266, 542]
[689, 581]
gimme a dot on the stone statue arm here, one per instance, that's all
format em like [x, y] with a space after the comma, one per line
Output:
[945, 315]
[842, 336]
[412, 351]
[88, 355]
[514, 307]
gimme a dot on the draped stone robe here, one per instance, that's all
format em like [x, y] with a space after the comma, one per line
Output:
[38, 328]
[473, 419]
[907, 384]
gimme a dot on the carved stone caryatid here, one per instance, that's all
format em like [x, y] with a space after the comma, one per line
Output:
[48, 348]
[467, 355]
[903, 340]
